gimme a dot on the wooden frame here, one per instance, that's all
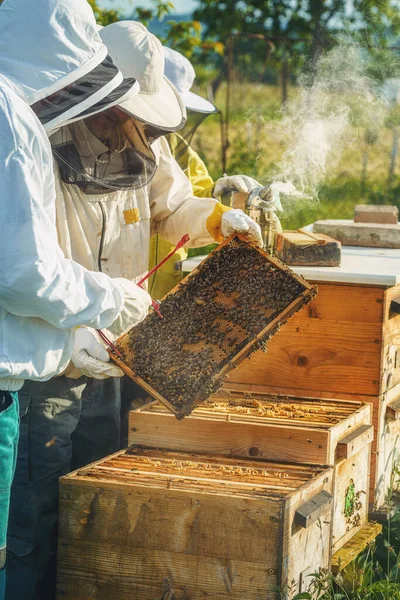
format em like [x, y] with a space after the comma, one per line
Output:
[305, 297]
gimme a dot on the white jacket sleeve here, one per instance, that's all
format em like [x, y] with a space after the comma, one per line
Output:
[35, 278]
[174, 209]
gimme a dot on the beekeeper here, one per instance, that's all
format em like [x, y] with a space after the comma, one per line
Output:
[180, 72]
[43, 295]
[116, 183]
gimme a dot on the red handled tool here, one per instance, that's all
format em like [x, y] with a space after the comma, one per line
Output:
[182, 242]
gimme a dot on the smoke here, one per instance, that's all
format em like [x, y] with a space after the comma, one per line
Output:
[335, 102]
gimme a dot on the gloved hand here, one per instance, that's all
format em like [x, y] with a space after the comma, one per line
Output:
[235, 183]
[90, 358]
[136, 307]
[236, 220]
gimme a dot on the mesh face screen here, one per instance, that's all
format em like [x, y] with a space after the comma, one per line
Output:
[236, 298]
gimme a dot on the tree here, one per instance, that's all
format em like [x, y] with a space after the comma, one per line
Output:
[104, 17]
[300, 29]
[183, 36]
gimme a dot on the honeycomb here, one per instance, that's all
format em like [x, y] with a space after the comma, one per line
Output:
[227, 308]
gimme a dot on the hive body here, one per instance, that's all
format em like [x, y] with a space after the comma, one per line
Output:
[294, 430]
[370, 235]
[135, 526]
[214, 319]
[298, 248]
[345, 344]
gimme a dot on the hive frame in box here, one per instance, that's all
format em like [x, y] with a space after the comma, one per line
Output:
[305, 297]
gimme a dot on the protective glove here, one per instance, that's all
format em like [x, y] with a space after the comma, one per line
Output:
[236, 220]
[136, 306]
[90, 358]
[235, 183]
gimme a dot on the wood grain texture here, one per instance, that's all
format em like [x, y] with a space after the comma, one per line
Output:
[317, 539]
[93, 571]
[270, 442]
[124, 535]
[354, 471]
[355, 441]
[214, 429]
[331, 345]
[351, 351]
[314, 509]
[355, 546]
[390, 368]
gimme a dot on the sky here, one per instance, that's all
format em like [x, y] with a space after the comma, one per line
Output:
[181, 6]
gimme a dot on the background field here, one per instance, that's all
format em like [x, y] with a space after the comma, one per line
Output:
[361, 175]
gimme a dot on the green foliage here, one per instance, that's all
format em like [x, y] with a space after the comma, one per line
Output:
[300, 29]
[159, 10]
[104, 17]
[183, 36]
[374, 575]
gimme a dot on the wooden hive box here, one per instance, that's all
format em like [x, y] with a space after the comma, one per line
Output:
[322, 432]
[345, 344]
[147, 524]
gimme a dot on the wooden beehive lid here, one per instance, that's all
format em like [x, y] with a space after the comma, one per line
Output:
[260, 408]
[300, 237]
[207, 473]
[215, 318]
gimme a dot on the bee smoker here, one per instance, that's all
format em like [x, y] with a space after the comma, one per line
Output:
[260, 205]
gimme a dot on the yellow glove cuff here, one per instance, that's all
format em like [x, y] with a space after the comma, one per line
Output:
[213, 222]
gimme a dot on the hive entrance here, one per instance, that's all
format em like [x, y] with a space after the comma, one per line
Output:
[238, 297]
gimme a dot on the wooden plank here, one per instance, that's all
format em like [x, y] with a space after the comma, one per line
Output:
[390, 368]
[345, 302]
[94, 571]
[308, 514]
[373, 213]
[355, 546]
[371, 235]
[179, 522]
[355, 441]
[303, 548]
[361, 416]
[317, 355]
[393, 411]
[308, 249]
[270, 442]
[351, 496]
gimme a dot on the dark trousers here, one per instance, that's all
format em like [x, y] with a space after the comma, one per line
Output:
[64, 424]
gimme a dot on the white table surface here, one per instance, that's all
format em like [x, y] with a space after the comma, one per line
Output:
[368, 266]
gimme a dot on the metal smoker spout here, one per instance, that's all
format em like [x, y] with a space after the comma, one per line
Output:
[261, 206]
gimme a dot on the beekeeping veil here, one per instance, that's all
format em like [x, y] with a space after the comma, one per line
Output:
[51, 51]
[180, 72]
[112, 151]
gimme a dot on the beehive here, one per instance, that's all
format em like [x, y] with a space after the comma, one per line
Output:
[227, 308]
[148, 524]
[295, 430]
[345, 344]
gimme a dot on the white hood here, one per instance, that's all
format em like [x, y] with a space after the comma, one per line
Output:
[47, 45]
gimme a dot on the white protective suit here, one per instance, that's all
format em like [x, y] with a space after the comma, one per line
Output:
[166, 206]
[43, 295]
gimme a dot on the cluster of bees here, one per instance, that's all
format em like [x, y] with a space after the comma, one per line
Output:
[216, 312]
